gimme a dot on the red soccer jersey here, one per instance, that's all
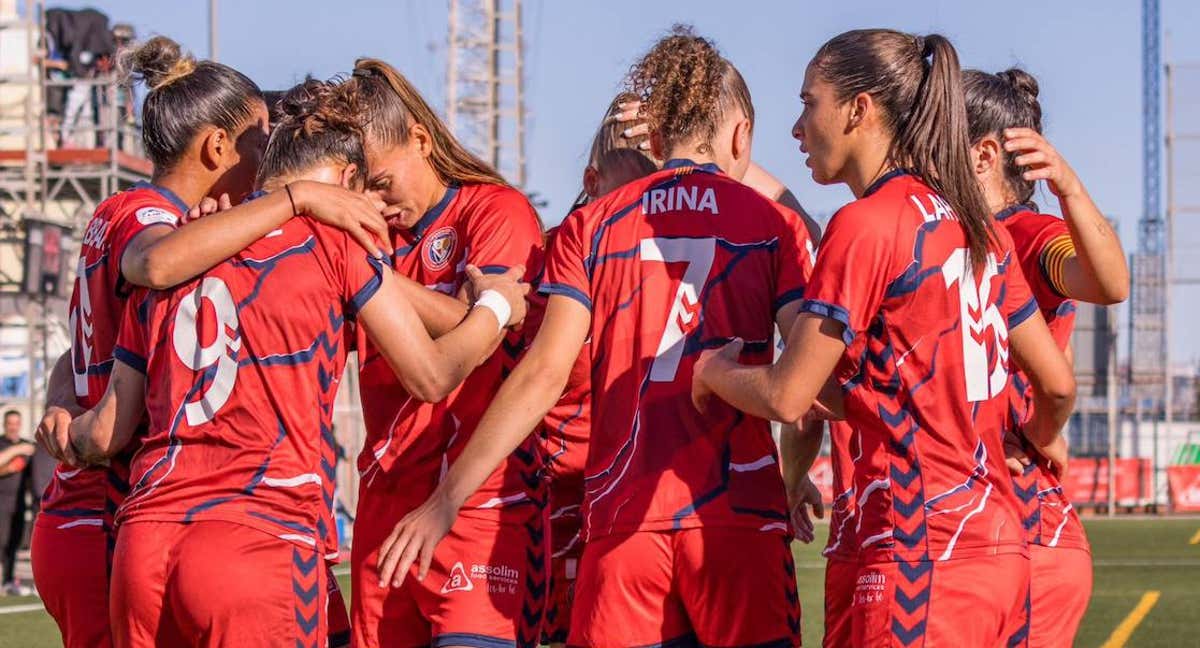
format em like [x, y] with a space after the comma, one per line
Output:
[1048, 514]
[494, 228]
[925, 373]
[671, 264]
[242, 365]
[844, 448]
[96, 311]
[568, 424]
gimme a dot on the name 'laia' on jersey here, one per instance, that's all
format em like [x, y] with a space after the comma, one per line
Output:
[657, 201]
[941, 210]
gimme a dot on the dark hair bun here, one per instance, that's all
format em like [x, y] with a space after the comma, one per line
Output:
[158, 62]
[1022, 82]
[314, 106]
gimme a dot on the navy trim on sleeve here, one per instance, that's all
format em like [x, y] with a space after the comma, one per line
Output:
[566, 291]
[788, 297]
[364, 294]
[125, 356]
[833, 312]
[493, 269]
[1023, 313]
[471, 639]
[169, 195]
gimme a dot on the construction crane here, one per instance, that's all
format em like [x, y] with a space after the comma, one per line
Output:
[1149, 313]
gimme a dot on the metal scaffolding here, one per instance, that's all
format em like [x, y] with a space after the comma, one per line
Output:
[42, 182]
[485, 100]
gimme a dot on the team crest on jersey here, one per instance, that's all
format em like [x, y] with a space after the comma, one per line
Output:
[439, 248]
[459, 581]
[154, 215]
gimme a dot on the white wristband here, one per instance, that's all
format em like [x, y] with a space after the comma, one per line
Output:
[495, 302]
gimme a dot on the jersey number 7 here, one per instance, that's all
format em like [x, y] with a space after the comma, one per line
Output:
[685, 315]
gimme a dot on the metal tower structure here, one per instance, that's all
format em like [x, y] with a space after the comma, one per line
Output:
[1149, 313]
[485, 89]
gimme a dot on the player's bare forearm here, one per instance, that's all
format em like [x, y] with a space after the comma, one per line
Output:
[161, 257]
[784, 391]
[1056, 453]
[60, 389]
[102, 432]
[439, 312]
[519, 407]
[798, 448]
[534, 386]
[1099, 272]
[1053, 381]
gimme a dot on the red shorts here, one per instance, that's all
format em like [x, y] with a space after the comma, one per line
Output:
[1059, 593]
[712, 586]
[70, 568]
[840, 574]
[338, 617]
[215, 583]
[485, 588]
[977, 602]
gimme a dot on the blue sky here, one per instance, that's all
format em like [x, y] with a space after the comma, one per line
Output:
[1085, 54]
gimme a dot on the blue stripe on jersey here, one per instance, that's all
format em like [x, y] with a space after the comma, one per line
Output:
[130, 358]
[1023, 313]
[368, 290]
[470, 639]
[566, 291]
[493, 269]
[432, 215]
[788, 297]
[833, 312]
[165, 193]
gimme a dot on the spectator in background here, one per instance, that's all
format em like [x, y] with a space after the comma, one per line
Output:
[123, 36]
[14, 457]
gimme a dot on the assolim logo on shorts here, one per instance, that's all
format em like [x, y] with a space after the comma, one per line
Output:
[458, 581]
[500, 579]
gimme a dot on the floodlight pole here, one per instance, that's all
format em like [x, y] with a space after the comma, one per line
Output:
[212, 30]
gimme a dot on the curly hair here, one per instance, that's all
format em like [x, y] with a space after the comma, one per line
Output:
[687, 88]
[319, 121]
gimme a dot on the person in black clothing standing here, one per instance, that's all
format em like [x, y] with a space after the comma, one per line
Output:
[15, 455]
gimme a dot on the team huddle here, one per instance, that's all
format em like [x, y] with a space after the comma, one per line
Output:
[568, 432]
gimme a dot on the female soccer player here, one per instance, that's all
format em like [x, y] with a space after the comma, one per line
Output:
[234, 469]
[685, 515]
[204, 129]
[915, 305]
[617, 156]
[450, 210]
[1074, 257]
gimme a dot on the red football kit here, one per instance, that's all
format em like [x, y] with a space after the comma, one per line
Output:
[925, 381]
[842, 548]
[685, 514]
[1060, 556]
[72, 535]
[236, 469]
[488, 579]
[564, 437]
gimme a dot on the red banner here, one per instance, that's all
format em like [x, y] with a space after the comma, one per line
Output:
[1087, 481]
[1185, 487]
